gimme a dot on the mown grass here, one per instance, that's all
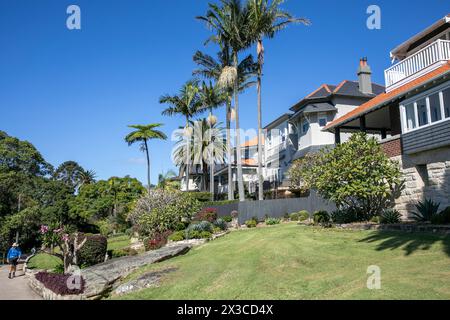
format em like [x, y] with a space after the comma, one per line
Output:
[44, 261]
[119, 242]
[294, 262]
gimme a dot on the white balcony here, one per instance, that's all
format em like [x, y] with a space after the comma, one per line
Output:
[429, 58]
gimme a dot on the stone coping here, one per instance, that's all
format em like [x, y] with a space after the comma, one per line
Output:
[405, 227]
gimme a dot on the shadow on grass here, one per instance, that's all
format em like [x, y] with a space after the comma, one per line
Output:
[408, 242]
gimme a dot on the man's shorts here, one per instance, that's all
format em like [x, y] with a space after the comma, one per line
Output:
[13, 261]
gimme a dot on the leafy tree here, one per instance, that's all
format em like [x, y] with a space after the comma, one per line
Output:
[69, 173]
[356, 175]
[143, 134]
[266, 18]
[165, 181]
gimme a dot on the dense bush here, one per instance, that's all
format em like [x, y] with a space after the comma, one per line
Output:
[272, 221]
[200, 196]
[157, 241]
[442, 217]
[321, 217]
[344, 216]
[426, 211]
[390, 216]
[201, 226]
[194, 234]
[355, 175]
[206, 214]
[221, 224]
[181, 226]
[177, 236]
[58, 283]
[93, 251]
[375, 219]
[251, 223]
[161, 210]
[294, 216]
[303, 215]
[219, 203]
[227, 218]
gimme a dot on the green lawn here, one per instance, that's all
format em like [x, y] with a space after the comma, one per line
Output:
[119, 242]
[43, 261]
[295, 262]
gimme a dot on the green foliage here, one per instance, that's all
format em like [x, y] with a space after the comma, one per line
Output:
[342, 216]
[251, 223]
[303, 215]
[177, 236]
[227, 218]
[195, 234]
[299, 172]
[355, 175]
[221, 224]
[201, 226]
[272, 221]
[375, 219]
[93, 251]
[426, 211]
[390, 216]
[442, 217]
[204, 197]
[218, 203]
[124, 252]
[160, 210]
[321, 217]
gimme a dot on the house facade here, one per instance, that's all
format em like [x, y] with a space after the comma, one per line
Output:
[295, 134]
[415, 109]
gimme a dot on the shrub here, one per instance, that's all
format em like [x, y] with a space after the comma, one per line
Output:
[221, 224]
[442, 217]
[294, 216]
[390, 216]
[206, 214]
[219, 203]
[180, 226]
[194, 234]
[123, 252]
[375, 219]
[272, 221]
[426, 211]
[227, 218]
[303, 215]
[177, 236]
[205, 235]
[58, 283]
[158, 241]
[286, 217]
[201, 226]
[372, 180]
[321, 217]
[93, 251]
[344, 216]
[251, 223]
[200, 196]
[161, 210]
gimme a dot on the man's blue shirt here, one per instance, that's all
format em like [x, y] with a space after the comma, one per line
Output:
[14, 253]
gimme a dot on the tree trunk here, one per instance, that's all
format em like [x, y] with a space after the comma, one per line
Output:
[188, 153]
[260, 150]
[211, 159]
[230, 165]
[148, 165]
[238, 134]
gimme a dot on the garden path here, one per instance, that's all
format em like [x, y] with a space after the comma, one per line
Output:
[17, 288]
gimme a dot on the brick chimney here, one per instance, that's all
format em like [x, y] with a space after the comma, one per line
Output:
[365, 77]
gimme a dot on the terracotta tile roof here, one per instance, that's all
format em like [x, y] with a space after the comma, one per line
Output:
[384, 97]
[251, 143]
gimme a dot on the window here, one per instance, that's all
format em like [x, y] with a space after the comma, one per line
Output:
[322, 120]
[422, 112]
[446, 94]
[410, 116]
[435, 107]
[305, 126]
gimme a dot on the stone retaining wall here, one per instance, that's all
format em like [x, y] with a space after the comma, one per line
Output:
[405, 227]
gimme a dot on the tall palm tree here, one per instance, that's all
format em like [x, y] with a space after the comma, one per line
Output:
[230, 23]
[210, 68]
[204, 143]
[86, 177]
[187, 103]
[211, 97]
[143, 134]
[164, 181]
[266, 19]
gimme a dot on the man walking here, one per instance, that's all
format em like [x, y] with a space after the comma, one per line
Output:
[13, 257]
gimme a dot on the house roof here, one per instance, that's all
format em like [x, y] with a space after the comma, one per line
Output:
[401, 51]
[346, 88]
[252, 142]
[278, 120]
[385, 98]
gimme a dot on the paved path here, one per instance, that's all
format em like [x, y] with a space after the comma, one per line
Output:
[17, 288]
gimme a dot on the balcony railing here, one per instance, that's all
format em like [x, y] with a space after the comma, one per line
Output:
[427, 59]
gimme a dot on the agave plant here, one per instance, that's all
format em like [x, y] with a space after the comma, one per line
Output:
[390, 216]
[426, 210]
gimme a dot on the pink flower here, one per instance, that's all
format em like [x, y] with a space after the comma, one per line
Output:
[44, 229]
[65, 237]
[57, 230]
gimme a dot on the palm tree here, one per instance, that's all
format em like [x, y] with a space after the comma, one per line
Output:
[164, 180]
[230, 23]
[210, 68]
[201, 147]
[211, 97]
[86, 177]
[188, 104]
[266, 19]
[142, 134]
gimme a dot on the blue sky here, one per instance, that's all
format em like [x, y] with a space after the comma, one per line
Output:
[73, 93]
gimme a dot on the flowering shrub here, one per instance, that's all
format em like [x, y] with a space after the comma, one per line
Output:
[158, 240]
[161, 210]
[58, 283]
[206, 214]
